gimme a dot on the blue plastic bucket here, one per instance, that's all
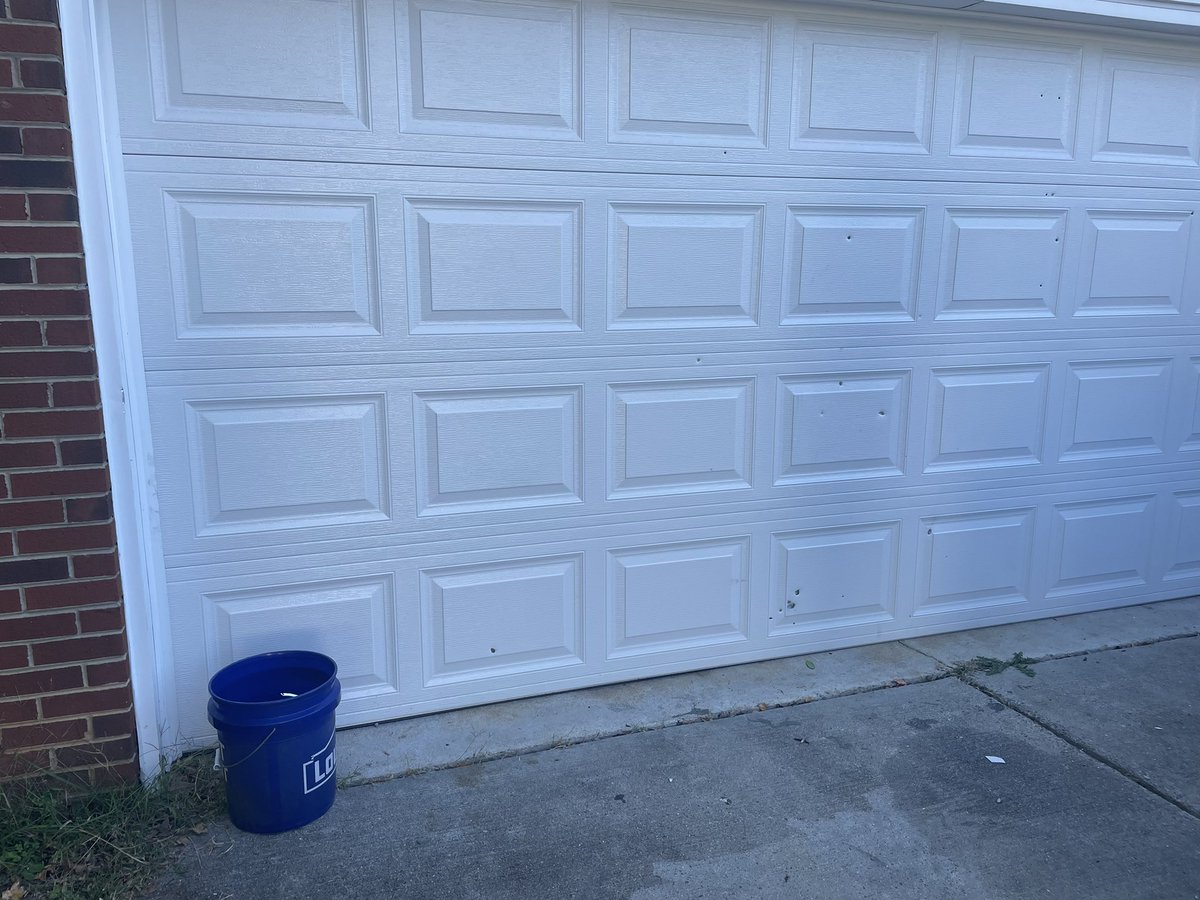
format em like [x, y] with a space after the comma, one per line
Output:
[274, 715]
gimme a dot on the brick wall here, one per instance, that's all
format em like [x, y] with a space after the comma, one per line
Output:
[64, 676]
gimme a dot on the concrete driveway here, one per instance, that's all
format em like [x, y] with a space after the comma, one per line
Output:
[882, 788]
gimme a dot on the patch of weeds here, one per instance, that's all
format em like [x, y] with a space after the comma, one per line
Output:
[59, 845]
[989, 665]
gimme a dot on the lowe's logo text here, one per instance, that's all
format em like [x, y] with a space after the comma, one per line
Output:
[320, 767]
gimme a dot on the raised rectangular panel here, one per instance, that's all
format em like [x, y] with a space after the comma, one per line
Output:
[975, 560]
[350, 621]
[688, 78]
[497, 449]
[986, 417]
[1184, 536]
[491, 68]
[1192, 441]
[830, 577]
[488, 620]
[851, 264]
[1116, 408]
[683, 265]
[1149, 111]
[1001, 263]
[1101, 545]
[228, 62]
[253, 265]
[675, 596]
[1136, 262]
[287, 462]
[832, 427]
[493, 265]
[863, 90]
[1015, 100]
[680, 437]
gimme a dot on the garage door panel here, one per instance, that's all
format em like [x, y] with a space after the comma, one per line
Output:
[792, 83]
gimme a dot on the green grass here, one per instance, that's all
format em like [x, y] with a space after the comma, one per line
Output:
[105, 844]
[989, 665]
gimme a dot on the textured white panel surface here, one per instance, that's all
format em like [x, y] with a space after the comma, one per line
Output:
[287, 462]
[242, 623]
[680, 437]
[1102, 543]
[501, 347]
[845, 265]
[490, 67]
[485, 620]
[480, 266]
[976, 560]
[841, 426]
[688, 78]
[862, 89]
[684, 265]
[497, 449]
[836, 576]
[675, 596]
[273, 264]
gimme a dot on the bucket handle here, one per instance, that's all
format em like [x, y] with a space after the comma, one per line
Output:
[219, 764]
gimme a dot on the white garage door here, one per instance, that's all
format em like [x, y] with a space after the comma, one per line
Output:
[499, 347]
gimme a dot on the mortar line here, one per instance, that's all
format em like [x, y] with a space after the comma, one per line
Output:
[1079, 745]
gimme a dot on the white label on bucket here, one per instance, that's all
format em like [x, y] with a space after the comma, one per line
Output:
[320, 767]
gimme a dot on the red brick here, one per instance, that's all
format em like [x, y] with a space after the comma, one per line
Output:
[10, 140]
[20, 571]
[59, 483]
[66, 537]
[77, 649]
[46, 364]
[10, 601]
[42, 73]
[69, 333]
[36, 302]
[108, 673]
[29, 38]
[60, 270]
[115, 725]
[32, 107]
[23, 395]
[12, 657]
[6, 74]
[95, 621]
[74, 594]
[88, 509]
[80, 702]
[6, 544]
[39, 10]
[17, 765]
[53, 207]
[41, 681]
[116, 775]
[43, 734]
[32, 628]
[12, 207]
[34, 512]
[27, 455]
[20, 334]
[16, 270]
[3, 487]
[100, 565]
[53, 423]
[75, 393]
[95, 754]
[46, 141]
[82, 453]
[15, 711]
[40, 238]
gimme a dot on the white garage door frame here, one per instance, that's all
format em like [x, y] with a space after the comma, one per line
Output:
[107, 239]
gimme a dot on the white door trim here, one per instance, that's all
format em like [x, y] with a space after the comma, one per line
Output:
[100, 182]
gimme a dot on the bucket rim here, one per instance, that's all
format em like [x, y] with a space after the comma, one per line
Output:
[323, 661]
